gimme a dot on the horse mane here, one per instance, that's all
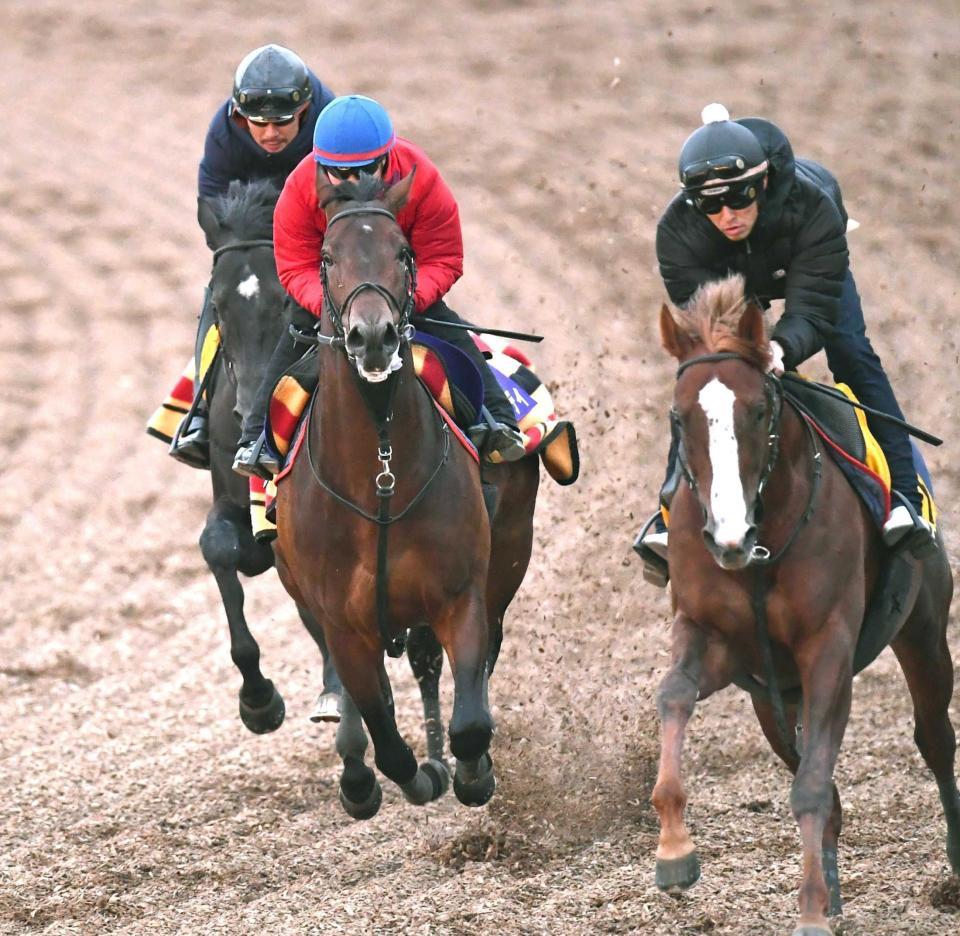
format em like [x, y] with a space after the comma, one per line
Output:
[712, 317]
[246, 210]
[367, 189]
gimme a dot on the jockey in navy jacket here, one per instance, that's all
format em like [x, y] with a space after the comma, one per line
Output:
[230, 152]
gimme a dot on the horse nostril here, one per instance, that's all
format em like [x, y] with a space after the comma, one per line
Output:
[355, 342]
[391, 338]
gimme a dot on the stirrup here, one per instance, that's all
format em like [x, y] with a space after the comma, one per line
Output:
[906, 529]
[490, 435]
[253, 460]
[652, 550]
[191, 444]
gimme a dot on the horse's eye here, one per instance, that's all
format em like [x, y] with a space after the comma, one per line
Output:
[326, 259]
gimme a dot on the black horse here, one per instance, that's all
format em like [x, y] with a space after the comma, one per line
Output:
[251, 312]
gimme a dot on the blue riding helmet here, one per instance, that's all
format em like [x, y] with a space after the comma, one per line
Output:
[352, 130]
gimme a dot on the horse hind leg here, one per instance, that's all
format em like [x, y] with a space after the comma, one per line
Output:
[426, 661]
[328, 705]
[227, 545]
[924, 656]
[360, 793]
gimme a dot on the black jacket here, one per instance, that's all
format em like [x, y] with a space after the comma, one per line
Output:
[230, 152]
[797, 250]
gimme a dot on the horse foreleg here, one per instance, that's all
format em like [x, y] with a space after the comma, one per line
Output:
[825, 663]
[462, 630]
[227, 545]
[360, 664]
[426, 660]
[678, 866]
[831, 832]
[921, 647]
[327, 708]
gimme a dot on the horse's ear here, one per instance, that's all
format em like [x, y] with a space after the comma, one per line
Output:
[674, 339]
[209, 222]
[751, 327]
[397, 194]
[325, 188]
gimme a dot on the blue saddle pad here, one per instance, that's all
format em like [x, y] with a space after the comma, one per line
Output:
[461, 371]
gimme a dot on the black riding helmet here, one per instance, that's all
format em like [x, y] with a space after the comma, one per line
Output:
[270, 84]
[722, 162]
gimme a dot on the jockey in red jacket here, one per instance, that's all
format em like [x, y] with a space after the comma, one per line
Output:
[354, 134]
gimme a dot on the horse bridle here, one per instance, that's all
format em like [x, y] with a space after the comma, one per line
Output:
[217, 254]
[338, 312]
[773, 391]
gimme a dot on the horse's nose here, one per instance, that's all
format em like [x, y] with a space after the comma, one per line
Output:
[375, 343]
[730, 554]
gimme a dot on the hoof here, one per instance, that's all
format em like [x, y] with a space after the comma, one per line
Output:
[368, 808]
[675, 875]
[265, 718]
[439, 774]
[326, 708]
[811, 929]
[430, 782]
[475, 791]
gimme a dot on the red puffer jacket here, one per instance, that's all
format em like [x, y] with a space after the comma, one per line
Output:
[430, 220]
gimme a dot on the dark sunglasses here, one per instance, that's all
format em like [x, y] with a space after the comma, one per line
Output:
[344, 173]
[278, 122]
[735, 197]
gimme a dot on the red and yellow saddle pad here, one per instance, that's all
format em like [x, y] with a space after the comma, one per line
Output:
[167, 416]
[544, 432]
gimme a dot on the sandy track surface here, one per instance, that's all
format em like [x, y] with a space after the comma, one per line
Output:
[134, 800]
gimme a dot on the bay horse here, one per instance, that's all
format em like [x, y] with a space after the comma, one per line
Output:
[251, 312]
[773, 560]
[377, 457]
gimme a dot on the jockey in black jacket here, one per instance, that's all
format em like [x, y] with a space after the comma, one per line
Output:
[747, 206]
[262, 131]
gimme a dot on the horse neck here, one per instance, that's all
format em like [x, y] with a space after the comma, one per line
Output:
[788, 488]
[353, 414]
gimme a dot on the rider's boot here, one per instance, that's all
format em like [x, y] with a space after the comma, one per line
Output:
[253, 458]
[906, 528]
[651, 546]
[191, 445]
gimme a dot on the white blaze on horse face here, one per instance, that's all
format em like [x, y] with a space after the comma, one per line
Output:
[727, 502]
[250, 287]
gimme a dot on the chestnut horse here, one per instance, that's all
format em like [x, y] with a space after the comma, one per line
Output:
[382, 522]
[773, 560]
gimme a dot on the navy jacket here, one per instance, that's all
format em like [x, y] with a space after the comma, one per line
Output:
[231, 153]
[797, 250]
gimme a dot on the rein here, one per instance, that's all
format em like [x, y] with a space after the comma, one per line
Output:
[761, 556]
[385, 480]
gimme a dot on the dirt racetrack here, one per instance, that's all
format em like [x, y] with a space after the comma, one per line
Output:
[134, 801]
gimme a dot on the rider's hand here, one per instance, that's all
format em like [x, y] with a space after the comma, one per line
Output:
[776, 359]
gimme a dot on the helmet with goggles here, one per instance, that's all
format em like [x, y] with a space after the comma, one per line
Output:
[270, 85]
[352, 132]
[721, 163]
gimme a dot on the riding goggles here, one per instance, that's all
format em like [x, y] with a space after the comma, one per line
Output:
[270, 105]
[734, 195]
[343, 173]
